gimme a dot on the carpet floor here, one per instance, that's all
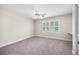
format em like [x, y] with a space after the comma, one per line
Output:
[38, 46]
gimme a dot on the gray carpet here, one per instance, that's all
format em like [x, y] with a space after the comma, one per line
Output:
[38, 46]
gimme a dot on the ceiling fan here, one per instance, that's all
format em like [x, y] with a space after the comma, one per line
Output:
[39, 14]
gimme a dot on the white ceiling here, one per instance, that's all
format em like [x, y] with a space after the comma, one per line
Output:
[49, 9]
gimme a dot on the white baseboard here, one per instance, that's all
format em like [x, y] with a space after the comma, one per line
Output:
[28, 36]
[54, 38]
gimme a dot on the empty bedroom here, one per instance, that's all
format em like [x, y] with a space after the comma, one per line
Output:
[35, 29]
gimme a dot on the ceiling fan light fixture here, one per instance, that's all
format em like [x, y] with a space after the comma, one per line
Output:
[38, 14]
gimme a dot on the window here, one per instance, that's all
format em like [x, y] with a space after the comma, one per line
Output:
[46, 26]
[51, 26]
[56, 26]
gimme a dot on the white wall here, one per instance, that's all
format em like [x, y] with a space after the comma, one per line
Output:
[14, 27]
[65, 27]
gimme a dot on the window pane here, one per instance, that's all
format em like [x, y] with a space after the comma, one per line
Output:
[56, 26]
[56, 23]
[52, 26]
[47, 23]
[47, 26]
[56, 29]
